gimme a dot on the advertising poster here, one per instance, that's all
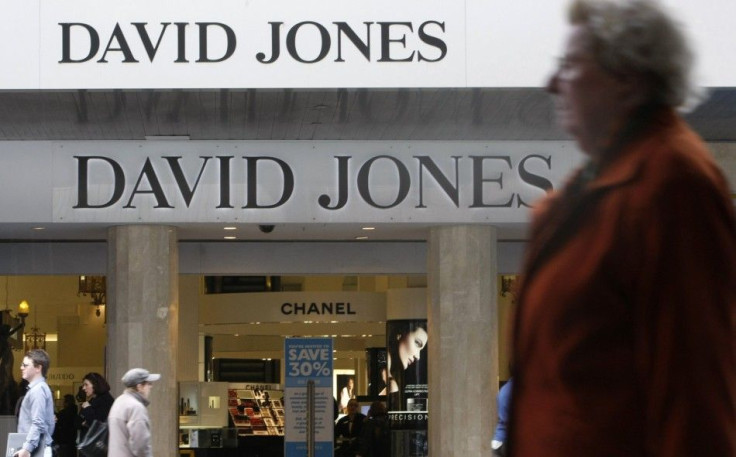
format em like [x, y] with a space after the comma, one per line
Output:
[376, 366]
[406, 386]
[345, 389]
[308, 359]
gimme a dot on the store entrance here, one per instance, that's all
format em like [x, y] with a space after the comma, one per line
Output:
[247, 320]
[232, 332]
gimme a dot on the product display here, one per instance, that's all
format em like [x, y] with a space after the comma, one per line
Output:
[257, 412]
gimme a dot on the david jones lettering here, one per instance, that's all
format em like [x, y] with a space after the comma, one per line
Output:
[487, 188]
[139, 41]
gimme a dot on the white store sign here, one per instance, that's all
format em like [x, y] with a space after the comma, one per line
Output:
[308, 44]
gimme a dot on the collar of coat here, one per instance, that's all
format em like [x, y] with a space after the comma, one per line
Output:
[631, 149]
[135, 394]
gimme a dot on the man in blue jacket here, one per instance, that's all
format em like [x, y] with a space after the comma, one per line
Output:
[503, 405]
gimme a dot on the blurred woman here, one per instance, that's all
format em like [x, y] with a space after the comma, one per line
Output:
[99, 401]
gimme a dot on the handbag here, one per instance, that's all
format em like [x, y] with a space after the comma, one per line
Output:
[94, 443]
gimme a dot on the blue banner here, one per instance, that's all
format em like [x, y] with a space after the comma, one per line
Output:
[308, 359]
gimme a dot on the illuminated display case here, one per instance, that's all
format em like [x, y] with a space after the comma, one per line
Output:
[256, 409]
[203, 404]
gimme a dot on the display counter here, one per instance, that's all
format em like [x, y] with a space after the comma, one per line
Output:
[250, 446]
[236, 419]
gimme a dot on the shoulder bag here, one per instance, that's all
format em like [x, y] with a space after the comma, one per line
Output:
[94, 443]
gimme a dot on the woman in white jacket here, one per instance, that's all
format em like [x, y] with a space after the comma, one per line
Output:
[128, 423]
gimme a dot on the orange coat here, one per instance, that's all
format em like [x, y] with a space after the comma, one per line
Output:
[624, 334]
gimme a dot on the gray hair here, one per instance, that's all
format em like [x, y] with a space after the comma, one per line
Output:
[639, 37]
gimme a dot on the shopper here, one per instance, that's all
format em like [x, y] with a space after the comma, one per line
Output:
[65, 431]
[503, 404]
[128, 422]
[36, 417]
[375, 439]
[624, 333]
[98, 401]
[22, 390]
[347, 431]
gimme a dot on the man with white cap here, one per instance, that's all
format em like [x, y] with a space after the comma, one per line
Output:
[128, 423]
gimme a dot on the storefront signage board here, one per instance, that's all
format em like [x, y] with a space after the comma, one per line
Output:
[294, 181]
[308, 359]
[138, 44]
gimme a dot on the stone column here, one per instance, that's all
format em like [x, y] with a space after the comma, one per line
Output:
[142, 319]
[189, 364]
[463, 342]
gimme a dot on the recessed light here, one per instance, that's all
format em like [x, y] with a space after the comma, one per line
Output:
[230, 228]
[231, 237]
[361, 237]
[39, 228]
[369, 228]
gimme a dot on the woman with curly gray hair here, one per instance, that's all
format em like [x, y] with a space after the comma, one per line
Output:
[624, 332]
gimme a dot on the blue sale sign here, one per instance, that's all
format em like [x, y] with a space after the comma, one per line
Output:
[308, 359]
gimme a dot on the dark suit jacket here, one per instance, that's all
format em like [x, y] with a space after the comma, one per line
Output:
[348, 446]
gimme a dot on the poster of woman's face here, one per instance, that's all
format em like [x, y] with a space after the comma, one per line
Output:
[411, 345]
[407, 396]
[406, 343]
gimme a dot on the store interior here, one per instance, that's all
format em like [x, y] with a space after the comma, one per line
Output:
[71, 323]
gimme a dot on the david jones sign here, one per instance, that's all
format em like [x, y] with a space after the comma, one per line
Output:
[304, 42]
[305, 182]
[142, 185]
[235, 44]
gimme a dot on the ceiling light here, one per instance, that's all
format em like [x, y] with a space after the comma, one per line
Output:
[361, 237]
[369, 228]
[96, 288]
[39, 228]
[230, 228]
[230, 237]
